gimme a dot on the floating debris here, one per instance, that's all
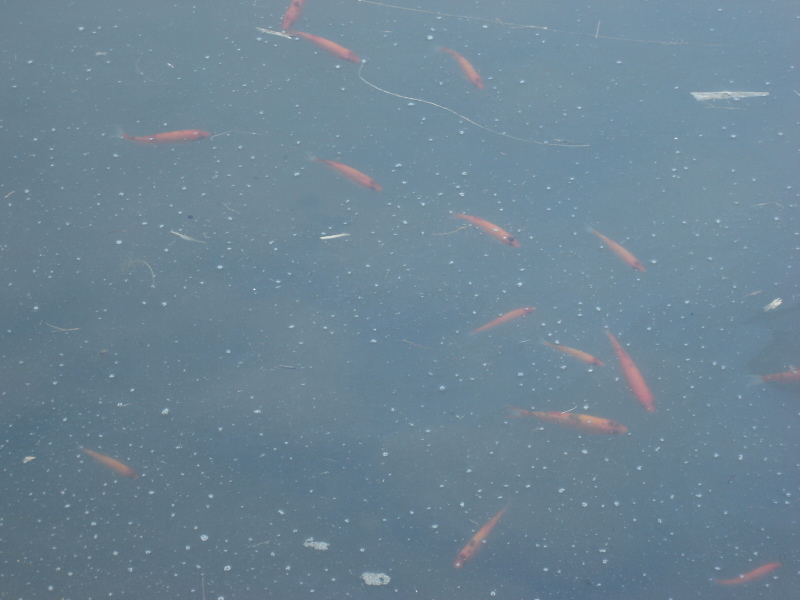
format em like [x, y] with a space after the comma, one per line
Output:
[310, 543]
[726, 95]
[28, 459]
[774, 304]
[183, 236]
[278, 33]
[334, 236]
[376, 578]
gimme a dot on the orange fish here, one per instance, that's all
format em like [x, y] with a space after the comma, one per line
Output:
[790, 376]
[466, 67]
[351, 174]
[751, 575]
[474, 545]
[634, 377]
[112, 464]
[585, 423]
[509, 316]
[292, 14]
[579, 354]
[328, 46]
[621, 252]
[169, 137]
[490, 228]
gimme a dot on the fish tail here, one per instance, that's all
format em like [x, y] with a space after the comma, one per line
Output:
[515, 412]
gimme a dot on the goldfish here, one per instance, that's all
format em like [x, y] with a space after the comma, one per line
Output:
[112, 464]
[169, 137]
[328, 46]
[509, 316]
[621, 252]
[758, 573]
[585, 423]
[790, 376]
[474, 545]
[350, 173]
[632, 374]
[490, 228]
[292, 14]
[466, 67]
[579, 354]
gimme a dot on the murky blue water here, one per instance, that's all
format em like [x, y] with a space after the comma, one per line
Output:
[272, 387]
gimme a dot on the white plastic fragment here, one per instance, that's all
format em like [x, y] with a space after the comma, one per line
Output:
[376, 578]
[726, 95]
[310, 543]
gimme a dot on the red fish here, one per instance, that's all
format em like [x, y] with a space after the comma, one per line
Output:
[790, 376]
[169, 137]
[474, 545]
[758, 573]
[350, 173]
[490, 228]
[579, 354]
[585, 423]
[509, 316]
[112, 464]
[632, 374]
[328, 46]
[621, 252]
[292, 14]
[466, 67]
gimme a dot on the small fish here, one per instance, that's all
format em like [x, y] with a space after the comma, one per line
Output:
[790, 376]
[758, 573]
[466, 67]
[350, 173]
[636, 382]
[329, 46]
[474, 545]
[579, 354]
[169, 137]
[619, 250]
[509, 316]
[292, 14]
[112, 464]
[585, 423]
[490, 229]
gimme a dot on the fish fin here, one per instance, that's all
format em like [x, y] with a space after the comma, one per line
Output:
[515, 412]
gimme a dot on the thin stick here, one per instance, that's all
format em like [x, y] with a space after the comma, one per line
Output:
[415, 345]
[234, 131]
[468, 120]
[152, 273]
[55, 329]
[542, 27]
[452, 232]
[203, 585]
